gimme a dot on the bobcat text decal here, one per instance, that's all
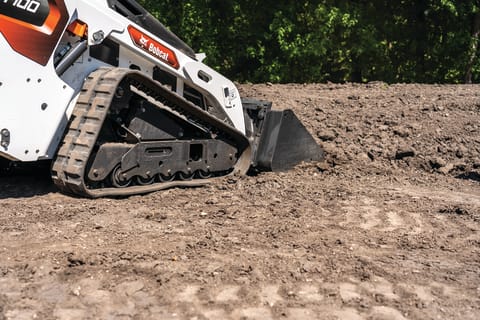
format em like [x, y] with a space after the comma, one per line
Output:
[153, 47]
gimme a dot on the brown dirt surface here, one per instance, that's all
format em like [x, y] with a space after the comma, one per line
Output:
[388, 227]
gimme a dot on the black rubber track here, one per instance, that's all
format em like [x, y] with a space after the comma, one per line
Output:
[69, 166]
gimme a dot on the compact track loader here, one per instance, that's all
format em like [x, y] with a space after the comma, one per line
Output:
[120, 105]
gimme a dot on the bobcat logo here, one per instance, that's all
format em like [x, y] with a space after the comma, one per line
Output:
[143, 41]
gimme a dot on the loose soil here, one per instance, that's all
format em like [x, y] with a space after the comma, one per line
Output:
[388, 227]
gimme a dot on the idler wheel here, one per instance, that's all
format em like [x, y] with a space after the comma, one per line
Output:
[165, 178]
[185, 176]
[117, 179]
[144, 182]
[204, 174]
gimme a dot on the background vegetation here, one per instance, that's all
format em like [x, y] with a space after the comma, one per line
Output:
[429, 41]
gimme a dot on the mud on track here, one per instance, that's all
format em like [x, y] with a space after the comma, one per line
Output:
[387, 228]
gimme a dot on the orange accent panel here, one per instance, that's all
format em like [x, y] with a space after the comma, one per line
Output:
[34, 42]
[78, 28]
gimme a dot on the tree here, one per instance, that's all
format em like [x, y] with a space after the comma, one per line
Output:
[336, 40]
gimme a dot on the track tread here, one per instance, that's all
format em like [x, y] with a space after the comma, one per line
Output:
[92, 106]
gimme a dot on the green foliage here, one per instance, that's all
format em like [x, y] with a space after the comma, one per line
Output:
[428, 41]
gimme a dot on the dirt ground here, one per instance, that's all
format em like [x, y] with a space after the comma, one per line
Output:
[388, 227]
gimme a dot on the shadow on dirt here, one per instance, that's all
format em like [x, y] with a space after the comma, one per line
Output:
[472, 175]
[25, 186]
[25, 181]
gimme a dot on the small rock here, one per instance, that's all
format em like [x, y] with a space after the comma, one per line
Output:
[213, 200]
[222, 212]
[446, 169]
[383, 128]
[327, 135]
[437, 163]
[323, 166]
[460, 153]
[75, 260]
[76, 291]
[401, 132]
[364, 156]
[156, 216]
[476, 164]
[203, 214]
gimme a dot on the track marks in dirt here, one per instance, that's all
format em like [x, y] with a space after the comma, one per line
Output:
[91, 298]
[384, 217]
[388, 216]
[268, 301]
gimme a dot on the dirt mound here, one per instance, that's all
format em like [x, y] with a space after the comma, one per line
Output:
[428, 128]
[388, 227]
